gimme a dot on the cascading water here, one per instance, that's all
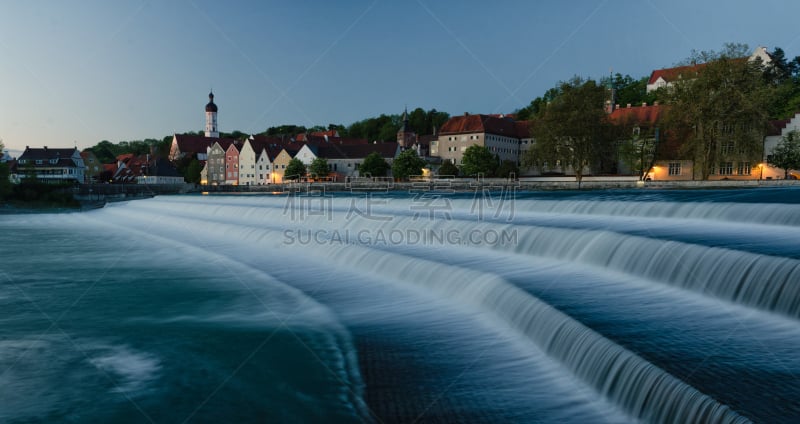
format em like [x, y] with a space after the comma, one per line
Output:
[597, 307]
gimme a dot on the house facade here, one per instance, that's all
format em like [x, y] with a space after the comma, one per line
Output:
[247, 164]
[215, 164]
[232, 164]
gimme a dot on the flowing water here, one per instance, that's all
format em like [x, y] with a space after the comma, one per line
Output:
[609, 306]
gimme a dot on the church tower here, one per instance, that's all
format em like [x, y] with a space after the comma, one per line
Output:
[406, 137]
[211, 117]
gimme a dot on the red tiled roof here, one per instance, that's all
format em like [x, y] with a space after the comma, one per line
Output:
[480, 123]
[190, 143]
[672, 74]
[638, 114]
[523, 129]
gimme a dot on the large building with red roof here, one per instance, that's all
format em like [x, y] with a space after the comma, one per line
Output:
[666, 77]
[501, 134]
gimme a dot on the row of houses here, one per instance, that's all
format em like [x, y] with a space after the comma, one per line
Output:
[262, 160]
[69, 165]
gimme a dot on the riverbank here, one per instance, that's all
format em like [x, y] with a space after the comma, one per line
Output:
[466, 185]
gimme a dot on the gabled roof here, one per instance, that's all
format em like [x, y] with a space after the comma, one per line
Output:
[673, 74]
[638, 114]
[45, 153]
[191, 143]
[62, 157]
[480, 124]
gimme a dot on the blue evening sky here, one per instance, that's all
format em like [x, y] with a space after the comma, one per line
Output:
[77, 72]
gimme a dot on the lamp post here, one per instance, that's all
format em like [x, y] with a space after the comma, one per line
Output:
[761, 171]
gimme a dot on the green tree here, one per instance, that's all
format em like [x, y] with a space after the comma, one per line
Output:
[448, 168]
[374, 165]
[193, 172]
[407, 164]
[719, 114]
[478, 160]
[5, 183]
[786, 154]
[319, 168]
[571, 130]
[295, 169]
[507, 168]
[286, 130]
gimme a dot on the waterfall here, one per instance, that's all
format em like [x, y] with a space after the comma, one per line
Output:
[639, 388]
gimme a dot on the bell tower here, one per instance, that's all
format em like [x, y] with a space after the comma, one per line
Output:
[211, 117]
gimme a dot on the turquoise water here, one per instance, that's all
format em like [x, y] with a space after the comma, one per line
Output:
[607, 306]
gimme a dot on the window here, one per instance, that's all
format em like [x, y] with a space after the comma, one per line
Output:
[744, 168]
[727, 148]
[726, 168]
[674, 168]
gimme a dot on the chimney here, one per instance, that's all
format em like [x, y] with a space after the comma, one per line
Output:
[616, 106]
[655, 103]
[45, 147]
[466, 113]
[629, 105]
[644, 104]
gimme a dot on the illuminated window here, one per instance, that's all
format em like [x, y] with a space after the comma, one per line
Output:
[744, 168]
[674, 168]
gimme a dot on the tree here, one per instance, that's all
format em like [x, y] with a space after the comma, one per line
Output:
[407, 164]
[193, 172]
[571, 130]
[507, 169]
[295, 169]
[319, 168]
[448, 168]
[478, 160]
[5, 183]
[374, 165]
[719, 115]
[786, 154]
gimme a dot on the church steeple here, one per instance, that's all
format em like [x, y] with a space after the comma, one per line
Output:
[211, 117]
[405, 136]
[611, 99]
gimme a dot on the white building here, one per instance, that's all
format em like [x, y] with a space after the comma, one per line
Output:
[52, 165]
[779, 130]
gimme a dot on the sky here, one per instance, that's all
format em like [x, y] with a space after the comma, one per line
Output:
[73, 73]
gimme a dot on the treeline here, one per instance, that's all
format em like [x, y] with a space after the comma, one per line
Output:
[379, 128]
[107, 152]
[783, 76]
